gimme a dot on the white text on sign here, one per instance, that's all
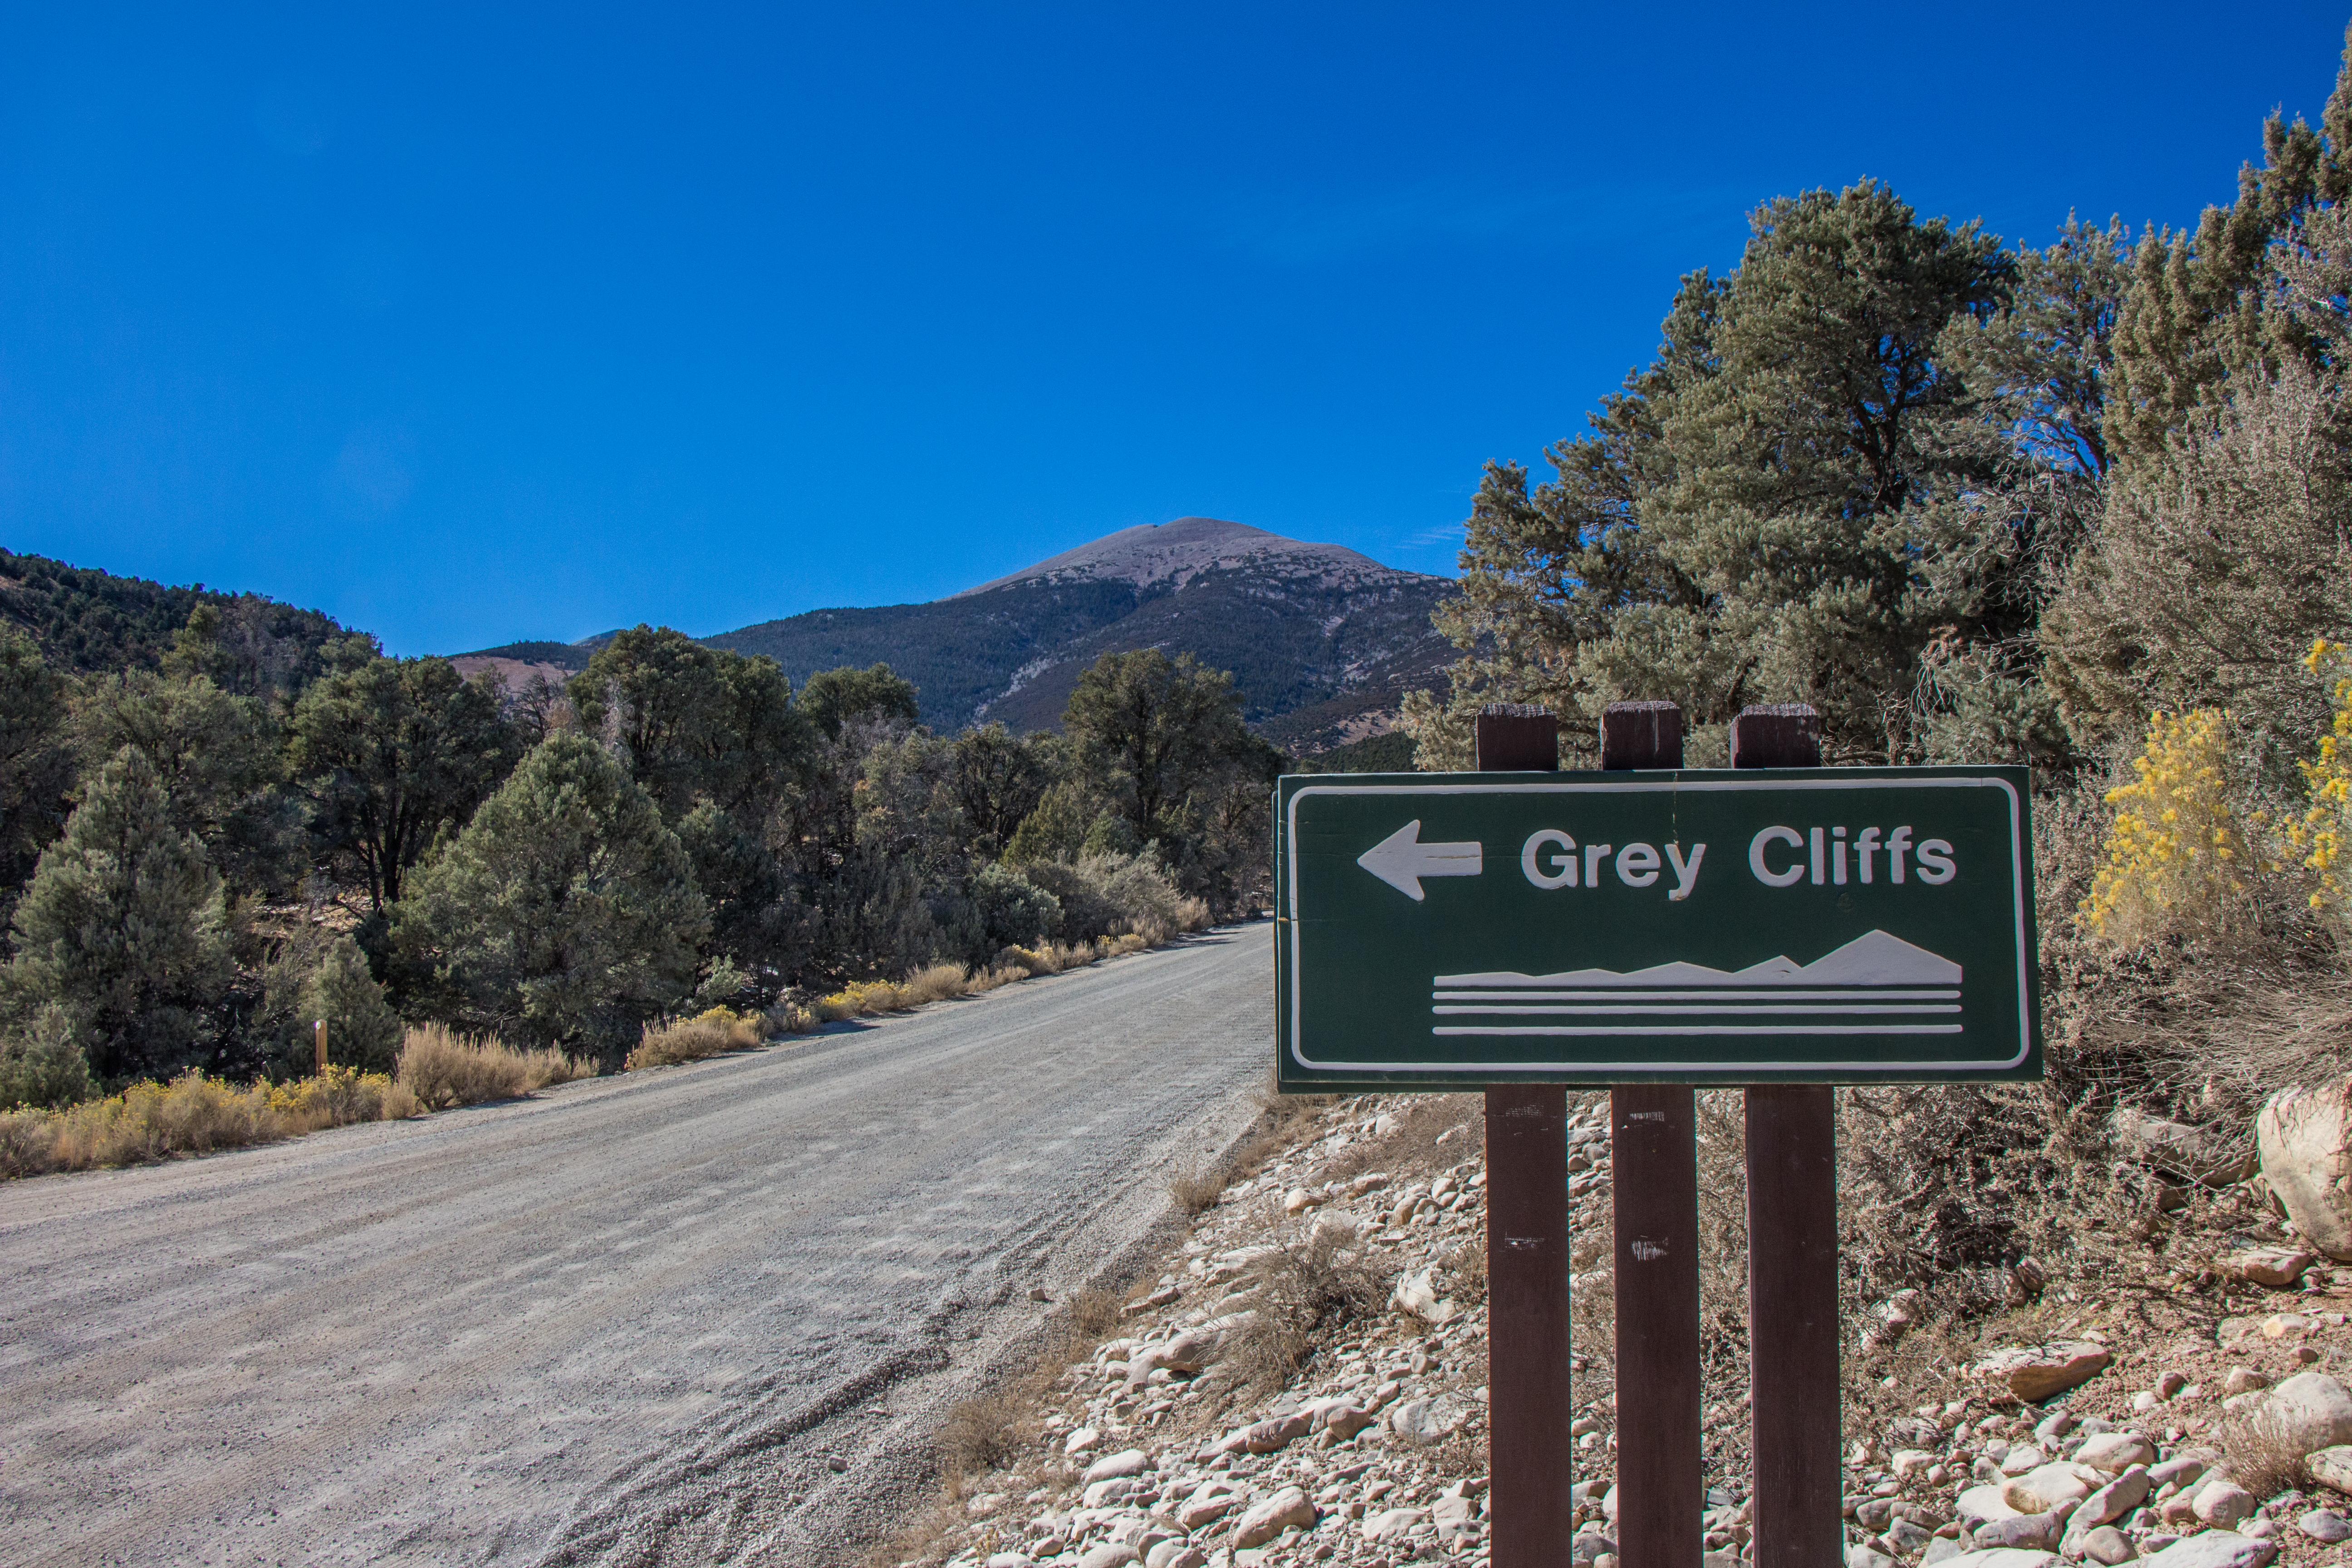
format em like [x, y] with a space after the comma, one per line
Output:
[1778, 856]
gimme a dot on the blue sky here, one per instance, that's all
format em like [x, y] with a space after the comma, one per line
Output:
[478, 324]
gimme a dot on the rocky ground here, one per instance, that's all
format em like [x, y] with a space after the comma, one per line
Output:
[1303, 1380]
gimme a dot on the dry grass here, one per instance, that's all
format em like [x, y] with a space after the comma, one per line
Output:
[1195, 1187]
[669, 1040]
[1092, 1314]
[979, 1435]
[443, 1068]
[193, 1114]
[939, 982]
[1305, 1287]
[2263, 1461]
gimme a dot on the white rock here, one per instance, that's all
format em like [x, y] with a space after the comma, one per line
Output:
[2222, 1503]
[1081, 1440]
[1211, 1502]
[2325, 1525]
[2116, 1452]
[1110, 1554]
[1426, 1421]
[1264, 1521]
[1008, 1560]
[1174, 1554]
[2111, 1502]
[2019, 1460]
[1943, 1549]
[2331, 1468]
[2310, 1410]
[1416, 1296]
[2038, 1490]
[1863, 1557]
[2305, 1138]
[1131, 1462]
[2177, 1148]
[2216, 1548]
[2035, 1373]
[2005, 1557]
[2106, 1545]
[1392, 1522]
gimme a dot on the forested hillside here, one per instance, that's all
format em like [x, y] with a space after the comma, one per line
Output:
[214, 834]
[87, 621]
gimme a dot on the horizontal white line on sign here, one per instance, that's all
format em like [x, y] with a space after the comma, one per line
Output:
[1813, 1010]
[1699, 1029]
[1767, 995]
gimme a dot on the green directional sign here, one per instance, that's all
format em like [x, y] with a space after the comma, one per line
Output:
[1835, 925]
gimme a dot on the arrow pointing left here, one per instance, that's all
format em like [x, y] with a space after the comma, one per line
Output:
[1402, 860]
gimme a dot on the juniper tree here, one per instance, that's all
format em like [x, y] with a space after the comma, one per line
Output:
[834, 697]
[391, 753]
[1788, 504]
[694, 723]
[218, 756]
[124, 927]
[565, 912]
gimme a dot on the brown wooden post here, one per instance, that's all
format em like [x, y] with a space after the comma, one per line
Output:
[1792, 1260]
[1654, 1186]
[1527, 1410]
[318, 1036]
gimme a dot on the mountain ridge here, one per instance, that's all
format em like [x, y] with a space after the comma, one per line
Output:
[1323, 641]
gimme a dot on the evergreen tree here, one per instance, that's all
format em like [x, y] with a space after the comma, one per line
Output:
[834, 697]
[2202, 307]
[1150, 731]
[565, 913]
[217, 755]
[694, 723]
[389, 754]
[36, 767]
[123, 928]
[1789, 504]
[42, 1065]
[322, 976]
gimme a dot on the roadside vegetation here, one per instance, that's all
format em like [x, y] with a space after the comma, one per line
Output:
[264, 824]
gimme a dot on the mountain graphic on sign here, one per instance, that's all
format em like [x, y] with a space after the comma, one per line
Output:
[1875, 958]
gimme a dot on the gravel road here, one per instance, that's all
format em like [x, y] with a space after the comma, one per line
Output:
[634, 1320]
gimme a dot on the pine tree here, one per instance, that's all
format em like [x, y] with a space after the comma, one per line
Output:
[1804, 493]
[42, 1065]
[123, 928]
[566, 912]
[2202, 307]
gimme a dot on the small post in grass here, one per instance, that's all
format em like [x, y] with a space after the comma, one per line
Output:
[318, 1037]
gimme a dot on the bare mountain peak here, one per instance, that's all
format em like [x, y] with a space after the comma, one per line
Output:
[1176, 552]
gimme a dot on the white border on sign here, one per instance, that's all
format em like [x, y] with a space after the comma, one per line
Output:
[1669, 785]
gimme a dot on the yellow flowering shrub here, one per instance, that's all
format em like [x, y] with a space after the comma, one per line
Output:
[2175, 853]
[2325, 831]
